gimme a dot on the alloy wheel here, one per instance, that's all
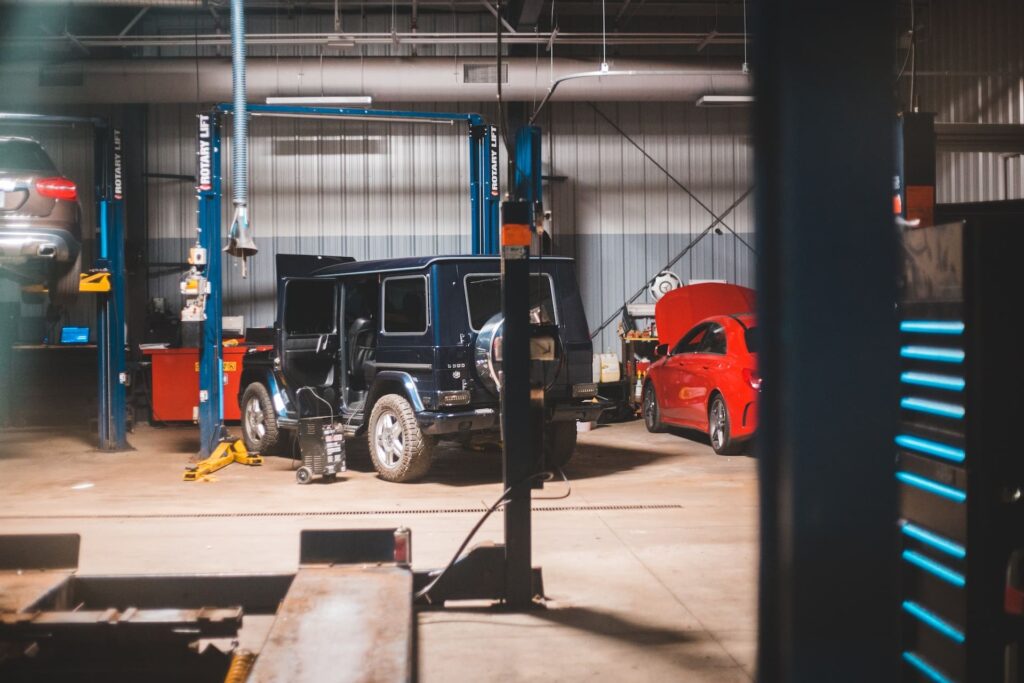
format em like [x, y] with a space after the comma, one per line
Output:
[389, 440]
[255, 420]
[718, 424]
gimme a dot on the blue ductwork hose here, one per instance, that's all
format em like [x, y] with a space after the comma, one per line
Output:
[240, 241]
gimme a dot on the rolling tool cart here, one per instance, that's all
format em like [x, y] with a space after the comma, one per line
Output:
[321, 443]
[959, 468]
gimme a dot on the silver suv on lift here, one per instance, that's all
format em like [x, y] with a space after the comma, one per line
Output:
[408, 352]
[40, 220]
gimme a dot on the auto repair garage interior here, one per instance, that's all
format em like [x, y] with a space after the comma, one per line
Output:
[473, 340]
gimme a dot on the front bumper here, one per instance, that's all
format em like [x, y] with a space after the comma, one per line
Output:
[22, 243]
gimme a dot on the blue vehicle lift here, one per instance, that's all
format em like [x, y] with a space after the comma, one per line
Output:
[108, 185]
[484, 208]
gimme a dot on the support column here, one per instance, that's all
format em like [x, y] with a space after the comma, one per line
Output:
[519, 435]
[829, 355]
[211, 382]
[112, 422]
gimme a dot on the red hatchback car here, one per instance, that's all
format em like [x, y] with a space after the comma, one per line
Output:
[708, 381]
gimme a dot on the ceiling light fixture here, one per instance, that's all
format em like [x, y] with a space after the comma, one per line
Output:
[725, 100]
[341, 41]
[340, 99]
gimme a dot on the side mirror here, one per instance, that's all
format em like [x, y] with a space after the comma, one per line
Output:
[662, 350]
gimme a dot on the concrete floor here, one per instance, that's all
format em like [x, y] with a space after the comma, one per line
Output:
[657, 594]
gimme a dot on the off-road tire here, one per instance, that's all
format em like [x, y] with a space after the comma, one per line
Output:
[417, 449]
[64, 282]
[254, 442]
[559, 443]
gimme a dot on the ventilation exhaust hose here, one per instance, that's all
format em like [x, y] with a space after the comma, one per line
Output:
[240, 240]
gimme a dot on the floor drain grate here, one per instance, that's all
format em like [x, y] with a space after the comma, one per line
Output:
[350, 513]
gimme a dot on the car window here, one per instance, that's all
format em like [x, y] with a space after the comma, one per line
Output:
[309, 307]
[691, 341]
[714, 340]
[362, 299]
[405, 305]
[750, 337]
[24, 155]
[483, 297]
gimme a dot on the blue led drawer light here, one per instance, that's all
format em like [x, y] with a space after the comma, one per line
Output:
[924, 405]
[932, 381]
[939, 450]
[954, 494]
[934, 568]
[936, 622]
[927, 669]
[932, 327]
[937, 354]
[932, 539]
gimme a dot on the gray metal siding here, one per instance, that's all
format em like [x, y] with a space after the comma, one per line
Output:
[971, 70]
[374, 190]
[623, 219]
[363, 189]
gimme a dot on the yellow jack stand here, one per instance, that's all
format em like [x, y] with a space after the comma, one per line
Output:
[226, 453]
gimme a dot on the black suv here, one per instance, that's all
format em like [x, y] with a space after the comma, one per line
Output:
[408, 351]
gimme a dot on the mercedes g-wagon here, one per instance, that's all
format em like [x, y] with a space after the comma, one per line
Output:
[408, 352]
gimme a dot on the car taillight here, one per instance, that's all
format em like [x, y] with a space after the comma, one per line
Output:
[57, 188]
[752, 378]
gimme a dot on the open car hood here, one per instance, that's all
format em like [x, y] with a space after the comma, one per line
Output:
[681, 309]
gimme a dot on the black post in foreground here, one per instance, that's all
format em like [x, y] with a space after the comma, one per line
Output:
[826, 240]
[518, 451]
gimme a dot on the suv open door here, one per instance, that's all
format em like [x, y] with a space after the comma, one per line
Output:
[308, 334]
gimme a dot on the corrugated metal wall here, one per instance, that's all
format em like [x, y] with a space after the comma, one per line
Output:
[624, 219]
[382, 190]
[363, 189]
[971, 70]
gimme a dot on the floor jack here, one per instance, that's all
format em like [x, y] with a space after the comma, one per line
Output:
[226, 453]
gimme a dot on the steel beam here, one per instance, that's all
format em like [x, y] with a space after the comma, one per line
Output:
[405, 38]
[131, 24]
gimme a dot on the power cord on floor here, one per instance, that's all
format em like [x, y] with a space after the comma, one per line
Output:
[503, 498]
[568, 488]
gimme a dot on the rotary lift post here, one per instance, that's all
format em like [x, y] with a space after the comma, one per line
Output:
[107, 277]
[483, 197]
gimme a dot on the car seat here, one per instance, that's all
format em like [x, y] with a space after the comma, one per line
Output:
[362, 349]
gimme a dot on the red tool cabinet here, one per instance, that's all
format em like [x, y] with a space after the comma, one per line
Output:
[175, 382]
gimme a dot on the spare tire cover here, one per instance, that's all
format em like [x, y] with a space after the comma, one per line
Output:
[487, 353]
